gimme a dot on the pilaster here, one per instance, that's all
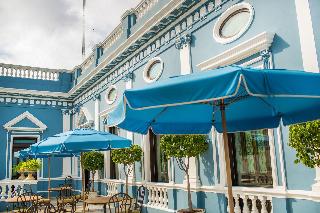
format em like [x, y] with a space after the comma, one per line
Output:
[183, 45]
[97, 99]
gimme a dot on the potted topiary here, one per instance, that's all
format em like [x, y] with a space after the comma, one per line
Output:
[127, 157]
[92, 161]
[31, 166]
[182, 148]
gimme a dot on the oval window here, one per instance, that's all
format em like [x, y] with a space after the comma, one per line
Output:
[111, 95]
[233, 23]
[153, 70]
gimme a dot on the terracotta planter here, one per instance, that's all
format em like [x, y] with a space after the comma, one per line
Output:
[194, 211]
[30, 176]
[22, 176]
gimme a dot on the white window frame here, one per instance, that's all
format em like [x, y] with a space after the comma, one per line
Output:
[107, 94]
[224, 16]
[147, 68]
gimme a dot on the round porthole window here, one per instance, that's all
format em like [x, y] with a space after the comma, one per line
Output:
[153, 70]
[111, 95]
[233, 23]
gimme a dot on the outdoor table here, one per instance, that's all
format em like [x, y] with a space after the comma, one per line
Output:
[27, 199]
[59, 189]
[15, 199]
[100, 201]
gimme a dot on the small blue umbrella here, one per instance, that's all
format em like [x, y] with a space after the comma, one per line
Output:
[235, 97]
[79, 140]
[73, 142]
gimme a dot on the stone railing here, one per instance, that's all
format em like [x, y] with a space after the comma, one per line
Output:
[157, 195]
[111, 187]
[11, 188]
[112, 37]
[17, 71]
[143, 7]
[252, 203]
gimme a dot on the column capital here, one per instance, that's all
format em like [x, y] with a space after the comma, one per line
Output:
[183, 41]
[97, 97]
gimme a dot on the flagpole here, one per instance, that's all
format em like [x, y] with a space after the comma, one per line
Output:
[227, 157]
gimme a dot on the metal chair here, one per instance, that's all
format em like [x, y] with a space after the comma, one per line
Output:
[66, 202]
[120, 203]
[140, 199]
[27, 203]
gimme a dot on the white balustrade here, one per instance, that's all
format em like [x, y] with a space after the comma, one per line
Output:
[157, 196]
[17, 71]
[10, 188]
[112, 188]
[113, 37]
[143, 7]
[252, 203]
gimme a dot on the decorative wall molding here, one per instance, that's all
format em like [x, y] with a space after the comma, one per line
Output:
[222, 19]
[183, 41]
[149, 65]
[26, 115]
[250, 47]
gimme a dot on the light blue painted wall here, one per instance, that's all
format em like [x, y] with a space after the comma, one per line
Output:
[315, 16]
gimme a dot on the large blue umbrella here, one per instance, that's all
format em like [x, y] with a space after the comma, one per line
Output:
[235, 97]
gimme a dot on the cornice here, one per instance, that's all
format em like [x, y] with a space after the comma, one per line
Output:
[154, 21]
[37, 93]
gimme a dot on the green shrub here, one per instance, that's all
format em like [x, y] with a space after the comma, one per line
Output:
[92, 161]
[305, 139]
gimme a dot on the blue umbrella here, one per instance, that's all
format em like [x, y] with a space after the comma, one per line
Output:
[79, 140]
[237, 97]
[73, 142]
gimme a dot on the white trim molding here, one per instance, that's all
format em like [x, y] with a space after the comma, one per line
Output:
[149, 65]
[226, 16]
[306, 35]
[26, 115]
[250, 47]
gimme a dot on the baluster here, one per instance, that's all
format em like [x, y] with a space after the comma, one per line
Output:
[47, 75]
[237, 208]
[149, 195]
[39, 74]
[9, 72]
[5, 70]
[43, 75]
[26, 72]
[254, 205]
[245, 204]
[22, 74]
[18, 73]
[166, 198]
[161, 197]
[2, 190]
[264, 204]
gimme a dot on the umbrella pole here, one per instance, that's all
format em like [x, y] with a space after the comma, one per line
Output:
[83, 184]
[49, 178]
[227, 157]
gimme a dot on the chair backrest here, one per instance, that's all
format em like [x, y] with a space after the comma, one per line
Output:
[27, 202]
[120, 203]
[140, 197]
[68, 181]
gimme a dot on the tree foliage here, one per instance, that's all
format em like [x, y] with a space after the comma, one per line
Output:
[127, 156]
[305, 139]
[181, 146]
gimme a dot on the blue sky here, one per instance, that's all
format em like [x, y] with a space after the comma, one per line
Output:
[48, 33]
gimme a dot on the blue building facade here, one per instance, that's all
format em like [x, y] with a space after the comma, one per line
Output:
[155, 41]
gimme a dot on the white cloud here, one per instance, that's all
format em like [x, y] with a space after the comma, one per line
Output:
[48, 33]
